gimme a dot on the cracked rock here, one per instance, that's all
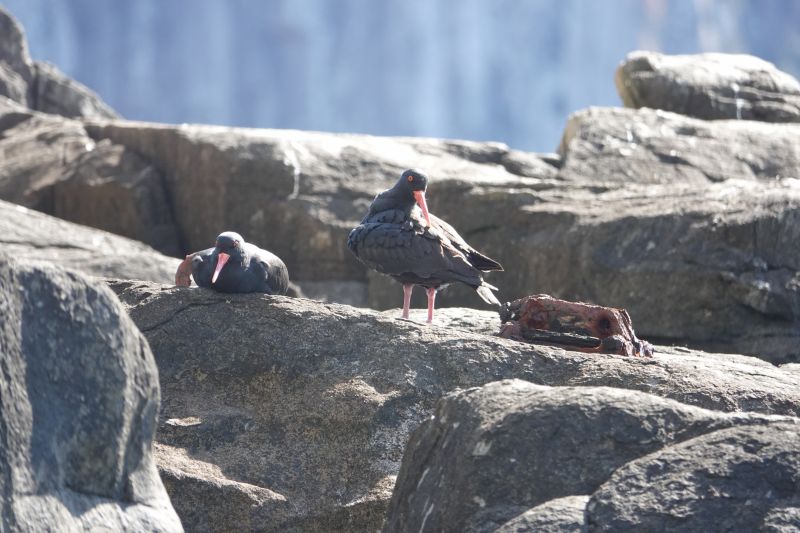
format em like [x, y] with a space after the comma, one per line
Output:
[335, 390]
[509, 453]
[30, 236]
[80, 398]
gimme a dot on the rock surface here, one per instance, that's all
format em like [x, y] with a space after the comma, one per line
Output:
[792, 367]
[258, 391]
[490, 454]
[296, 193]
[560, 515]
[41, 86]
[631, 150]
[737, 479]
[695, 243]
[689, 225]
[112, 188]
[28, 235]
[209, 501]
[50, 164]
[80, 398]
[709, 86]
[686, 224]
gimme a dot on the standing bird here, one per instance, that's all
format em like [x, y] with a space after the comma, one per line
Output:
[400, 238]
[233, 265]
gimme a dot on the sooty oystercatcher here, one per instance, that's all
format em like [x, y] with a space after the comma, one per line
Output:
[234, 265]
[400, 238]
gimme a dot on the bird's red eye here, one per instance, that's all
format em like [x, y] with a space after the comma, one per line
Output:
[410, 178]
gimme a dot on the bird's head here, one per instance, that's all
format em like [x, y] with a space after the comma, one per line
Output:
[229, 245]
[416, 182]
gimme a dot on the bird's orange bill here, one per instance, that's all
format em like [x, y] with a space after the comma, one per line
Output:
[419, 196]
[222, 258]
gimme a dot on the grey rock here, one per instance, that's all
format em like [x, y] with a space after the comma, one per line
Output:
[210, 501]
[736, 479]
[28, 235]
[709, 86]
[80, 400]
[560, 515]
[340, 291]
[41, 86]
[793, 368]
[36, 149]
[50, 164]
[612, 147]
[16, 70]
[54, 92]
[490, 453]
[464, 318]
[268, 389]
[689, 225]
[114, 189]
[695, 244]
[298, 193]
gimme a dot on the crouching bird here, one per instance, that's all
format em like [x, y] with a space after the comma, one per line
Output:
[400, 238]
[234, 265]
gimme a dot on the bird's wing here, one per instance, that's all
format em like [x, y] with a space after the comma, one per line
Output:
[451, 237]
[400, 249]
[276, 273]
[388, 248]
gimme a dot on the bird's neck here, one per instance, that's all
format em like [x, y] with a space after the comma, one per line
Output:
[392, 200]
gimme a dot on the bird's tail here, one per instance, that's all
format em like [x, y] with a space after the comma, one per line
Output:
[485, 292]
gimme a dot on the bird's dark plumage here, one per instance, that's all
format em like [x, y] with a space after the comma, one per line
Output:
[239, 266]
[398, 237]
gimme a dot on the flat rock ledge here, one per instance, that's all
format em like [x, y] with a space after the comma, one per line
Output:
[260, 391]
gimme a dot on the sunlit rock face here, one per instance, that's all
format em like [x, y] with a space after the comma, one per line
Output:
[514, 456]
[284, 414]
[80, 401]
[38, 85]
[508, 71]
[709, 86]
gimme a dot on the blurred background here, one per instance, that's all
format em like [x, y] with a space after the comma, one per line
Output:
[501, 70]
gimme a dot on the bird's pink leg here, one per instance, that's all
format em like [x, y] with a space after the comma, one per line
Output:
[431, 298]
[407, 288]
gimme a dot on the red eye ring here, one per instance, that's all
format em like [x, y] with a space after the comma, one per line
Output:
[410, 178]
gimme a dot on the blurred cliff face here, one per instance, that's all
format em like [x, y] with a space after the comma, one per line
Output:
[505, 70]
